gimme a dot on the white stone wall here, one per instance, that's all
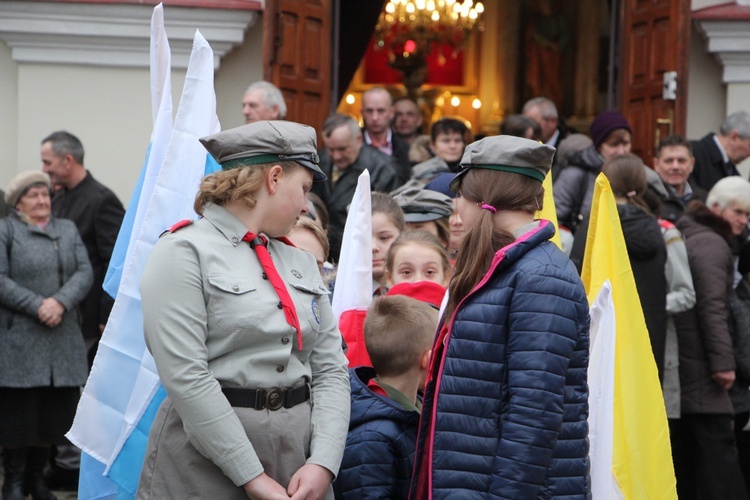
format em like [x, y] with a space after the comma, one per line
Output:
[719, 79]
[107, 106]
[707, 93]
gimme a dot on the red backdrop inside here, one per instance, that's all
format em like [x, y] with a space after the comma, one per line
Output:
[443, 67]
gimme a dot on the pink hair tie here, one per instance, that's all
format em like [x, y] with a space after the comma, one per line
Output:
[488, 207]
[631, 194]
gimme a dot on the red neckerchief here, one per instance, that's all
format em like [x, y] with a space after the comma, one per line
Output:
[258, 243]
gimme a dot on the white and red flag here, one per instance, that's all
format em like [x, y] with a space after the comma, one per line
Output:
[353, 293]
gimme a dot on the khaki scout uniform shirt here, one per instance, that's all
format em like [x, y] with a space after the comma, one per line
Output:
[211, 320]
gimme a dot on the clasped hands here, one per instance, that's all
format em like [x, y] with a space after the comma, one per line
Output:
[51, 312]
[310, 482]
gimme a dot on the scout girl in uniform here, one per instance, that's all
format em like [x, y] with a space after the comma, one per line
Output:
[240, 326]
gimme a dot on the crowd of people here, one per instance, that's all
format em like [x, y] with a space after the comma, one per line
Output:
[476, 381]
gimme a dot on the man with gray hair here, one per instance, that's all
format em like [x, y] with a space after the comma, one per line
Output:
[263, 101]
[544, 112]
[717, 155]
[344, 157]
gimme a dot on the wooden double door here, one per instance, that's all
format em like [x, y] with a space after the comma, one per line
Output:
[653, 40]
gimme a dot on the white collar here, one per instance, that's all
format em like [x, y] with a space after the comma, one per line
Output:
[721, 149]
[388, 137]
[554, 137]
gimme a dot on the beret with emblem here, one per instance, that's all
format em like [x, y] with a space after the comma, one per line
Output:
[507, 154]
[265, 142]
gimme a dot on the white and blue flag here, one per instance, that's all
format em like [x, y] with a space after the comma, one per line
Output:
[123, 391]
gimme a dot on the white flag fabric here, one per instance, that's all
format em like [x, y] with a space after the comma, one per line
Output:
[355, 261]
[353, 294]
[161, 112]
[124, 380]
[601, 377]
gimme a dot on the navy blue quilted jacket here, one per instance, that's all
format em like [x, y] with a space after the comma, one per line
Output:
[380, 446]
[506, 405]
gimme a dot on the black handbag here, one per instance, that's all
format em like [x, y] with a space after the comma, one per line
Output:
[740, 311]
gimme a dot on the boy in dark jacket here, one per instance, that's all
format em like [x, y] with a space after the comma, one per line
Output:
[379, 452]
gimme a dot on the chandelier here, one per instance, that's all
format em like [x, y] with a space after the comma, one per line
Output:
[411, 28]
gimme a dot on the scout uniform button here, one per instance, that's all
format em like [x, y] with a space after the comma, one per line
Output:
[279, 368]
[285, 340]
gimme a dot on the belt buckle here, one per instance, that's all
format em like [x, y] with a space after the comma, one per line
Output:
[275, 398]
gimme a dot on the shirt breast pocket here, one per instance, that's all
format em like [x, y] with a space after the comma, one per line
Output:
[309, 296]
[232, 302]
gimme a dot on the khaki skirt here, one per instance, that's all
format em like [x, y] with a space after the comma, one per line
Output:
[173, 468]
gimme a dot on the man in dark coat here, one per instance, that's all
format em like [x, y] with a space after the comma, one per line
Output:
[669, 181]
[717, 155]
[343, 160]
[377, 115]
[98, 214]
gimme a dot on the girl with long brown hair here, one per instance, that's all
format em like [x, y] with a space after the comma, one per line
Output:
[506, 401]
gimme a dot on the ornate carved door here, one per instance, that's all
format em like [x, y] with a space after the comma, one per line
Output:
[655, 41]
[297, 56]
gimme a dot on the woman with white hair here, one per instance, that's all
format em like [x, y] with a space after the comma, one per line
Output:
[703, 442]
[731, 197]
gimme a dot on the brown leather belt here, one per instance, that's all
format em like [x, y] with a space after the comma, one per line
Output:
[272, 398]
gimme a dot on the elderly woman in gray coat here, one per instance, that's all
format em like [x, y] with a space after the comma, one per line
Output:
[44, 274]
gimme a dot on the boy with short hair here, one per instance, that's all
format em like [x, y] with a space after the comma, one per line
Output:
[380, 446]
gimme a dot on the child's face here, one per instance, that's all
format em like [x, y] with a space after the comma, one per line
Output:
[383, 234]
[414, 262]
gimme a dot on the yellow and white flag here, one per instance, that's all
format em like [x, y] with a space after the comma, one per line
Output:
[630, 450]
[548, 209]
